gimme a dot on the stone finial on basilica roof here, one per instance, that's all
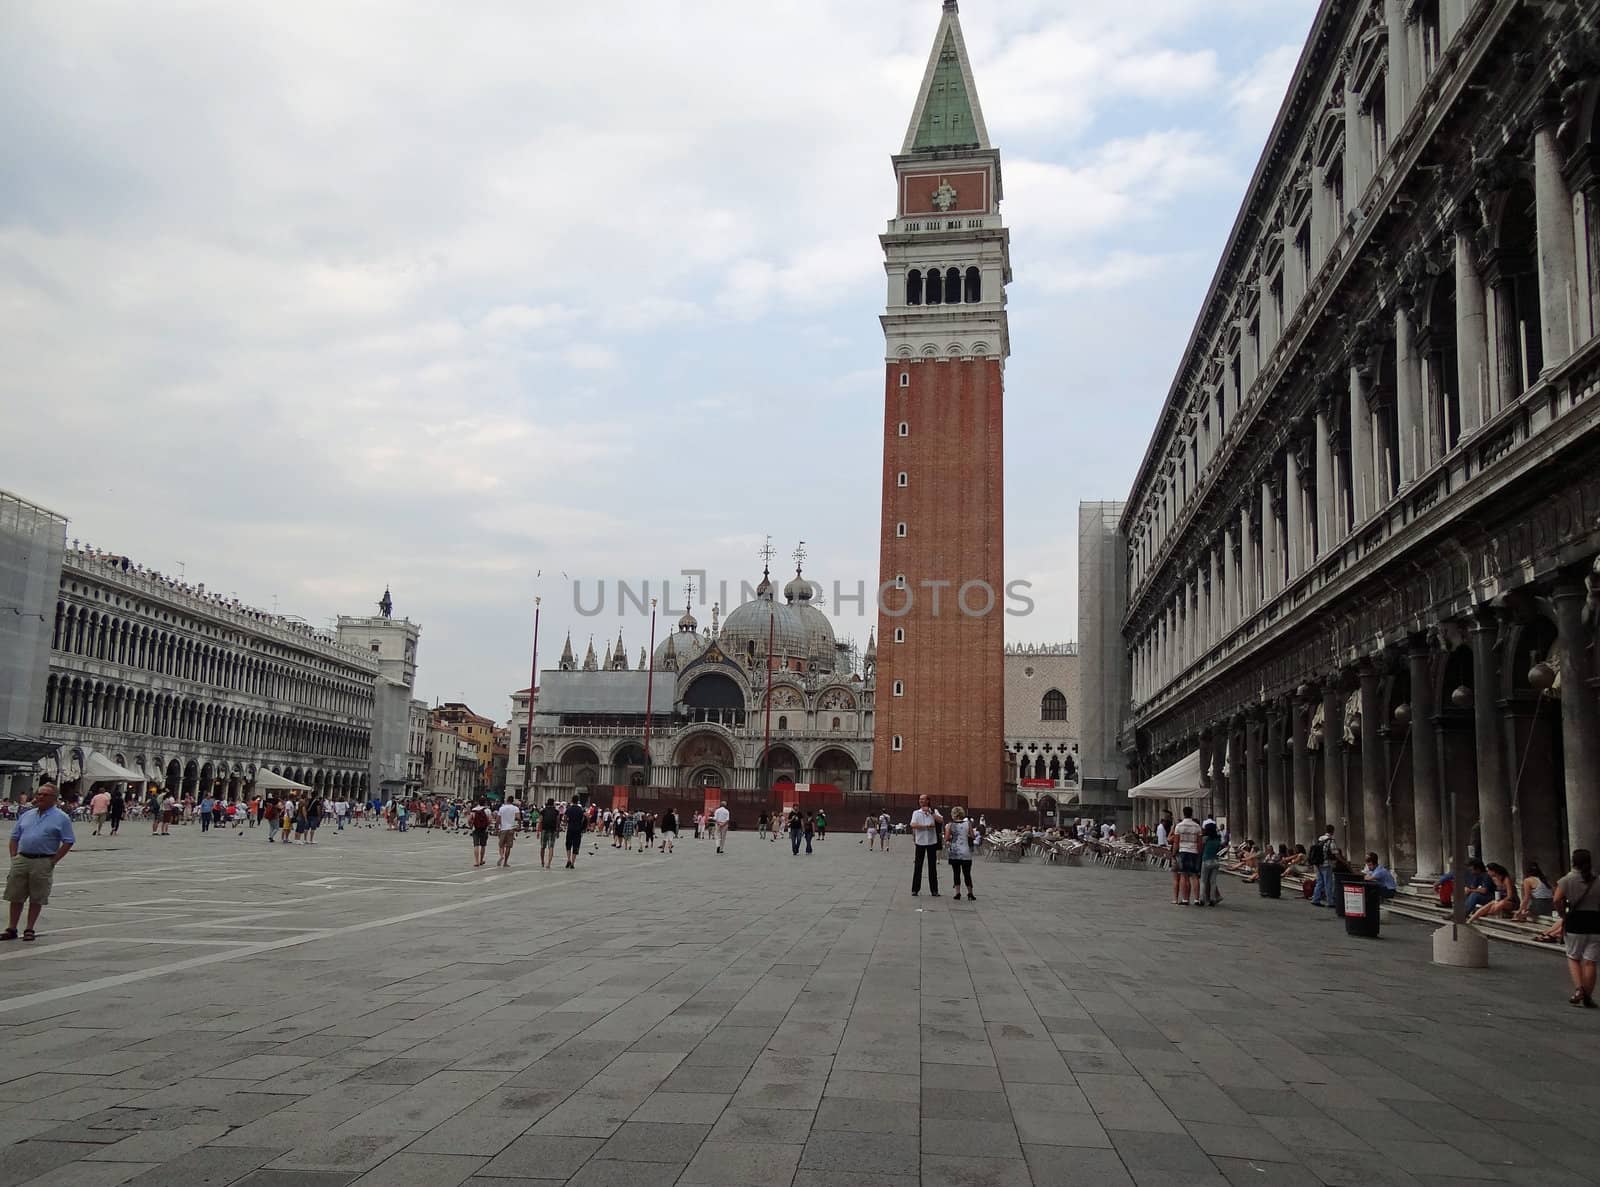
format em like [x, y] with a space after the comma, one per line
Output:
[567, 663]
[641, 657]
[589, 664]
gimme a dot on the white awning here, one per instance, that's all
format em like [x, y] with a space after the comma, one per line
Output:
[266, 780]
[1180, 781]
[97, 768]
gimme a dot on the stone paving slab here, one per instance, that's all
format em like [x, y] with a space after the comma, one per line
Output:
[371, 1010]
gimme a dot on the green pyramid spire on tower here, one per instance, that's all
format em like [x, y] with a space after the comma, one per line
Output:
[947, 115]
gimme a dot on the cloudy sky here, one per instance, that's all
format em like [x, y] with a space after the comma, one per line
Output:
[315, 298]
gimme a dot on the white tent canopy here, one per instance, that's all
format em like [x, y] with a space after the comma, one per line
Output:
[97, 768]
[1180, 781]
[266, 780]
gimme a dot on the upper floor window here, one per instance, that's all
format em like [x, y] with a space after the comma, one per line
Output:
[1431, 35]
[1053, 707]
[914, 287]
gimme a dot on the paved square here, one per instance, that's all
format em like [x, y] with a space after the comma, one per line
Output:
[214, 1010]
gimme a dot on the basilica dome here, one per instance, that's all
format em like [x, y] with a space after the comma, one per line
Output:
[820, 652]
[745, 632]
[683, 645]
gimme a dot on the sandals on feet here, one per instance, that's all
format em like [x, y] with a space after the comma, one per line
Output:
[10, 933]
[30, 935]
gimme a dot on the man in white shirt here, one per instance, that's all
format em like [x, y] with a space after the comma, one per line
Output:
[925, 826]
[509, 814]
[722, 816]
[884, 829]
[1187, 835]
[341, 809]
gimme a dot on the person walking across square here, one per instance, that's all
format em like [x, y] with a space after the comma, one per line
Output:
[722, 816]
[510, 819]
[40, 839]
[925, 826]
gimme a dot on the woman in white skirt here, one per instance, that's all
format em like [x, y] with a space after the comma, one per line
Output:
[958, 845]
[872, 832]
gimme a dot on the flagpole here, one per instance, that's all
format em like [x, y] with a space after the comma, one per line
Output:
[649, 694]
[533, 692]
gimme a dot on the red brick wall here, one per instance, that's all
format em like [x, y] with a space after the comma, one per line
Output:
[951, 716]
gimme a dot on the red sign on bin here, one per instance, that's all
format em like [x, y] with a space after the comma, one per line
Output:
[1355, 901]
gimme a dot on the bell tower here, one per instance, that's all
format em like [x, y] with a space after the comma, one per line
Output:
[941, 618]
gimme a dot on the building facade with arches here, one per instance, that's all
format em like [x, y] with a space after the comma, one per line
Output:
[1043, 710]
[1362, 543]
[197, 692]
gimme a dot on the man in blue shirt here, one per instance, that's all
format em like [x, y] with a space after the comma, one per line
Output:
[1375, 872]
[41, 838]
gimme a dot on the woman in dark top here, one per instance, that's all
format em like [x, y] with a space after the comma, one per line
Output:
[1210, 862]
[118, 807]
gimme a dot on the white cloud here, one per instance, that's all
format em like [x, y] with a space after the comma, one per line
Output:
[1120, 182]
[1255, 95]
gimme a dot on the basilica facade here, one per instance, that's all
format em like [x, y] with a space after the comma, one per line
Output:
[703, 709]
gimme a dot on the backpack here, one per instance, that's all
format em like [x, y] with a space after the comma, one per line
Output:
[549, 817]
[1318, 854]
[480, 817]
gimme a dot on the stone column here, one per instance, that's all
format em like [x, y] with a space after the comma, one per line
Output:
[1374, 773]
[1362, 470]
[1494, 794]
[1408, 398]
[1580, 726]
[1398, 94]
[1269, 545]
[1230, 585]
[1327, 519]
[1424, 762]
[1557, 247]
[1246, 598]
[1472, 330]
[1277, 821]
[1294, 515]
[1254, 785]
[1213, 597]
[1333, 793]
[1305, 828]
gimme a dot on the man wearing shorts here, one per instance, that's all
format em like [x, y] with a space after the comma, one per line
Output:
[669, 830]
[1186, 834]
[549, 826]
[575, 820]
[510, 817]
[41, 837]
[479, 820]
[722, 816]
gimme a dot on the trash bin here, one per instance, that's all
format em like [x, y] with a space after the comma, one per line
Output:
[1360, 899]
[1340, 881]
[1271, 884]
